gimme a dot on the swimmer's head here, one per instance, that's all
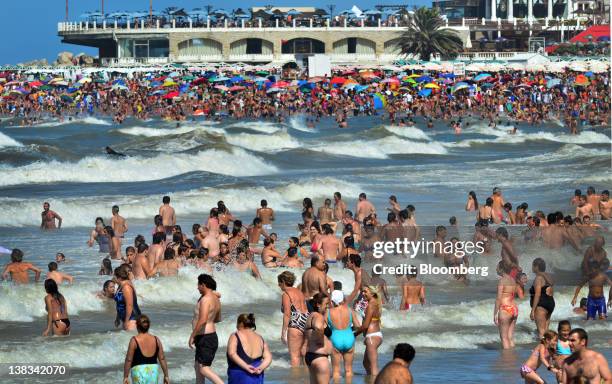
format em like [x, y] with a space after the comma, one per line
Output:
[51, 288]
[502, 232]
[109, 287]
[538, 265]
[246, 320]
[264, 203]
[115, 209]
[16, 255]
[206, 281]
[577, 193]
[578, 339]
[166, 200]
[549, 339]
[52, 266]
[405, 352]
[143, 323]
[337, 297]
[590, 191]
[60, 257]
[286, 278]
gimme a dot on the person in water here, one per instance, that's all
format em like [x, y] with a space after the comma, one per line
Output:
[48, 218]
[505, 312]
[295, 314]
[242, 367]
[125, 299]
[397, 371]
[18, 270]
[318, 346]
[542, 301]
[341, 320]
[543, 354]
[57, 311]
[143, 354]
[584, 365]
[371, 329]
[112, 152]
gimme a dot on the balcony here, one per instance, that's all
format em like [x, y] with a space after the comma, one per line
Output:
[196, 58]
[352, 57]
[126, 61]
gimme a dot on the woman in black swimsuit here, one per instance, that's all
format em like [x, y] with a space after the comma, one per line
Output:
[542, 301]
[318, 346]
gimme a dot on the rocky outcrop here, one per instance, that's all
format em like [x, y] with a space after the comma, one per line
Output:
[64, 58]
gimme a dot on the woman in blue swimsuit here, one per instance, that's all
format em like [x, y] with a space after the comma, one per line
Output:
[125, 299]
[340, 321]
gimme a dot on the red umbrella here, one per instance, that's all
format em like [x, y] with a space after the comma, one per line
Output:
[280, 84]
[171, 95]
[35, 84]
[237, 88]
[338, 80]
[199, 81]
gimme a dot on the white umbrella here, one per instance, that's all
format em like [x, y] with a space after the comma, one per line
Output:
[598, 66]
[535, 67]
[578, 66]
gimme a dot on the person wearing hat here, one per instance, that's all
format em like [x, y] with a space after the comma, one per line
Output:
[341, 320]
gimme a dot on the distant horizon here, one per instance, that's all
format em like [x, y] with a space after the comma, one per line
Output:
[32, 35]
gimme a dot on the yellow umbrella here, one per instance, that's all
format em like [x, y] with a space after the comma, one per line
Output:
[85, 80]
[432, 86]
[169, 83]
[415, 75]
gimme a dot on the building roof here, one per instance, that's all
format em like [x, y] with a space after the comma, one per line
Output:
[595, 32]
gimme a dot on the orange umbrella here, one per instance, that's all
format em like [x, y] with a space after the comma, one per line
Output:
[582, 80]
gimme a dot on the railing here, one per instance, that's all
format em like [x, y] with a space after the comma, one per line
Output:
[351, 57]
[113, 61]
[196, 58]
[251, 57]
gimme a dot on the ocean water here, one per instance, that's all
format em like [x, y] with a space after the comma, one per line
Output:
[201, 162]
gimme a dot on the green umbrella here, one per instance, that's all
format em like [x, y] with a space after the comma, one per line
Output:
[188, 78]
[99, 81]
[45, 88]
[262, 73]
[67, 98]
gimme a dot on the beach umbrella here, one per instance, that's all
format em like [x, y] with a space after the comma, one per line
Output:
[237, 79]
[120, 87]
[589, 74]
[188, 78]
[66, 98]
[294, 12]
[273, 90]
[157, 92]
[553, 83]
[84, 80]
[447, 75]
[61, 83]
[222, 88]
[372, 12]
[35, 84]
[582, 80]
[219, 79]
[391, 80]
[432, 86]
[280, 84]
[237, 88]
[169, 83]
[198, 81]
[171, 95]
[459, 86]
[486, 85]
[173, 74]
[337, 80]
[424, 79]
[361, 88]
[482, 76]
[380, 101]
[262, 73]
[424, 92]
[45, 88]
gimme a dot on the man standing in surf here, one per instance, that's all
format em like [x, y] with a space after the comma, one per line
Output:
[204, 335]
[48, 218]
[168, 215]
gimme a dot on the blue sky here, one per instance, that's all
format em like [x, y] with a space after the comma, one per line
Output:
[29, 27]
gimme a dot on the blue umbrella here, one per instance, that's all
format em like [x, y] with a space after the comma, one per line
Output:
[425, 92]
[459, 86]
[236, 79]
[589, 74]
[448, 75]
[294, 12]
[372, 12]
[361, 88]
[553, 83]
[424, 79]
[220, 78]
[482, 76]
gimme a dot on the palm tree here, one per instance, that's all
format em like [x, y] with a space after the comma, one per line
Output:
[425, 36]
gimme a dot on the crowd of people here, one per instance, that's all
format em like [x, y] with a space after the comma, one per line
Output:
[180, 94]
[320, 319]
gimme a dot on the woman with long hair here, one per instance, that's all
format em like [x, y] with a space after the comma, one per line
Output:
[472, 202]
[371, 329]
[57, 311]
[318, 346]
[505, 312]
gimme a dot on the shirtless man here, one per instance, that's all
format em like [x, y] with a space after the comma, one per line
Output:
[497, 207]
[48, 218]
[364, 208]
[584, 363]
[266, 215]
[330, 245]
[314, 279]
[593, 199]
[605, 205]
[413, 291]
[596, 300]
[169, 266]
[118, 222]
[594, 254]
[362, 279]
[255, 231]
[339, 207]
[168, 215]
[17, 270]
[141, 267]
[393, 230]
[584, 208]
[508, 254]
[156, 250]
[204, 335]
[397, 371]
[574, 200]
[58, 276]
[439, 240]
